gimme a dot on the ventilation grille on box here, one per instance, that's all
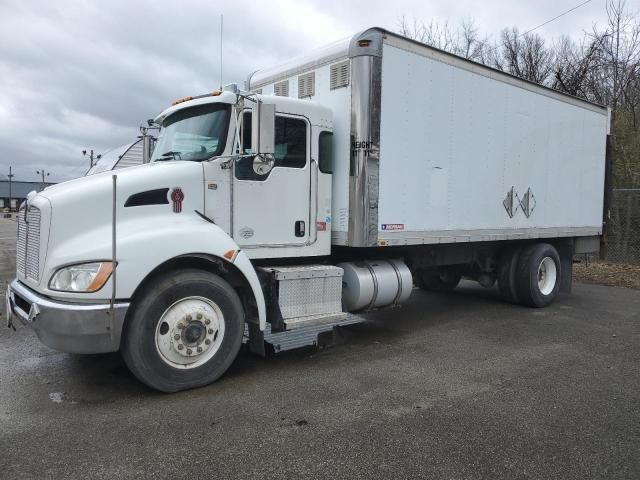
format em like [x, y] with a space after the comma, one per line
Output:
[306, 85]
[281, 89]
[340, 75]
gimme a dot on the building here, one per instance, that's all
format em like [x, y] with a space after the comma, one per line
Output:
[19, 191]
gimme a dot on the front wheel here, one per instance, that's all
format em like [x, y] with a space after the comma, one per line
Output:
[184, 331]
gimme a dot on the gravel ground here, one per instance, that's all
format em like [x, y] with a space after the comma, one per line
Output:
[611, 274]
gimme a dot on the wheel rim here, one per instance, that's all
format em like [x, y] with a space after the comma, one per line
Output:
[190, 332]
[547, 275]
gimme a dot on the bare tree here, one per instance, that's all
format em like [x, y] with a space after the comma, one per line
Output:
[574, 66]
[433, 33]
[464, 41]
[525, 56]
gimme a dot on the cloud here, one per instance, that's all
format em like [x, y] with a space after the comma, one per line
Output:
[78, 74]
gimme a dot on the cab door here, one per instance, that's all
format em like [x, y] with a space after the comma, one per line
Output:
[274, 209]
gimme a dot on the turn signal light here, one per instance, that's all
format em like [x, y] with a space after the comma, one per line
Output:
[230, 255]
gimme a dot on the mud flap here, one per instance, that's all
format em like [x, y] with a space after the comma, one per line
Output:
[256, 340]
[566, 266]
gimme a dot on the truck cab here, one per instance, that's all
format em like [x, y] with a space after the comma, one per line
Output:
[213, 199]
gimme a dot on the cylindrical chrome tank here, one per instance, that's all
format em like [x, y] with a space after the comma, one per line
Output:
[374, 283]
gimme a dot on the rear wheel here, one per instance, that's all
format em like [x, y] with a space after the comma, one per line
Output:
[538, 275]
[441, 279]
[507, 278]
[184, 331]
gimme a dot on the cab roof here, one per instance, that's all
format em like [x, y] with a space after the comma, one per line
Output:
[317, 114]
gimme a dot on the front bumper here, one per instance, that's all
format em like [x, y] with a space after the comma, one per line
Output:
[68, 327]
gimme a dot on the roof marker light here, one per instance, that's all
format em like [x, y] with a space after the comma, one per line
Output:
[180, 100]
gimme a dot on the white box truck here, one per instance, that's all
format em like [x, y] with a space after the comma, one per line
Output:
[326, 187]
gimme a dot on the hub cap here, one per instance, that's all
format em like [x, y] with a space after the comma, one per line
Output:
[547, 275]
[190, 332]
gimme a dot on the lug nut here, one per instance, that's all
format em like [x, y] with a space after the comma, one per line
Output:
[207, 342]
[180, 347]
[180, 326]
[210, 331]
[188, 318]
[207, 321]
[199, 349]
[189, 351]
[199, 316]
[177, 336]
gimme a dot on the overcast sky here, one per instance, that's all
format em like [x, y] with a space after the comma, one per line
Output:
[77, 75]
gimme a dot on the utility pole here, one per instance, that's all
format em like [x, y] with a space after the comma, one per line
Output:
[44, 174]
[84, 154]
[10, 177]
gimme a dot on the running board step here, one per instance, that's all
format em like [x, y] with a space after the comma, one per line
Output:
[314, 320]
[305, 335]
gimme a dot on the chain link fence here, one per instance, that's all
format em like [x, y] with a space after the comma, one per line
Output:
[624, 227]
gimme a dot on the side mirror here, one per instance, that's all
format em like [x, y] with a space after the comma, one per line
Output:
[263, 164]
[263, 122]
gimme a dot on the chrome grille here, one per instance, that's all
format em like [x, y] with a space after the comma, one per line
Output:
[28, 244]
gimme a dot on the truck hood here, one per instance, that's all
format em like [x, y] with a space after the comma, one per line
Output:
[81, 211]
[147, 176]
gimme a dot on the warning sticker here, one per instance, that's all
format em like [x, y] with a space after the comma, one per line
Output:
[321, 226]
[393, 226]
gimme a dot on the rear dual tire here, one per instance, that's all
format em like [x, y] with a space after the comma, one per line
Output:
[530, 275]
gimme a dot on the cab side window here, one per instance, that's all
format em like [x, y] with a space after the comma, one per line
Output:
[291, 142]
[290, 146]
[246, 133]
[325, 152]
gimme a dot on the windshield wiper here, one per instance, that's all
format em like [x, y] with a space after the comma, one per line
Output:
[170, 153]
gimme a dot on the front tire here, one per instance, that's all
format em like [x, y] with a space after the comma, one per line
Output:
[538, 275]
[184, 331]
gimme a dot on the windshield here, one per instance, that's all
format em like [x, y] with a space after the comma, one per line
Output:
[196, 133]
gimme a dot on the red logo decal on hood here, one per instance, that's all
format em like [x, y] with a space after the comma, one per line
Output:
[177, 197]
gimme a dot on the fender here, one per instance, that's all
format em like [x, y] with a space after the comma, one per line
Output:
[141, 252]
[144, 243]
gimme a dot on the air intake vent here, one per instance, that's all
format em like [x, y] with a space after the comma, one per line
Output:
[306, 85]
[281, 89]
[28, 244]
[340, 75]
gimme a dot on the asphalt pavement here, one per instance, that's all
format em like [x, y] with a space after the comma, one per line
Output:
[455, 386]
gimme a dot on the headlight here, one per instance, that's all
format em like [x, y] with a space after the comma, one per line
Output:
[87, 277]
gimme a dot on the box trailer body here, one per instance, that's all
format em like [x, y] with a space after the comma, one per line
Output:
[432, 148]
[326, 188]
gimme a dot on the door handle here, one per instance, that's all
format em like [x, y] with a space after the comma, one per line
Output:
[300, 228]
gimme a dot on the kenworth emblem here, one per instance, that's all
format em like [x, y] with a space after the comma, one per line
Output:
[177, 197]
